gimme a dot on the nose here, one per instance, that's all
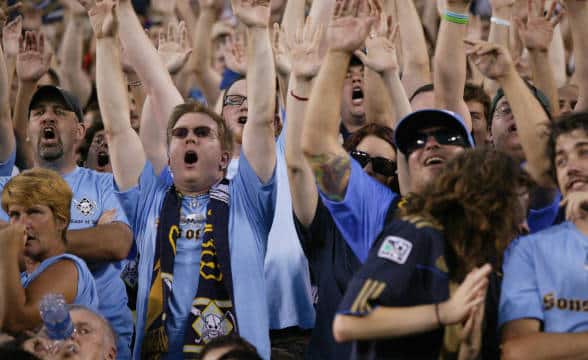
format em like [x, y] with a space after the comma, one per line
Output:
[431, 142]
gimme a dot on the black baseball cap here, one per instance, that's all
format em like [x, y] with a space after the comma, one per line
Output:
[423, 119]
[68, 99]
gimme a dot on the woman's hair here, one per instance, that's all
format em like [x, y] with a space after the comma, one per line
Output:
[379, 131]
[476, 201]
[39, 187]
[231, 342]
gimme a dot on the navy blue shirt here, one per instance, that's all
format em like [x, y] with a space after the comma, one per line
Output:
[405, 267]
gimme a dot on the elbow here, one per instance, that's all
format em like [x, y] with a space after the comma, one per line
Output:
[341, 329]
[121, 251]
[514, 350]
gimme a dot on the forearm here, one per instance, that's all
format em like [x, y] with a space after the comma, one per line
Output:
[24, 153]
[544, 79]
[385, 322]
[7, 141]
[450, 64]
[378, 109]
[258, 134]
[20, 317]
[415, 56]
[106, 242]
[557, 58]
[72, 75]
[138, 92]
[200, 59]
[532, 126]
[301, 179]
[321, 12]
[578, 13]
[152, 138]
[547, 346]
[499, 34]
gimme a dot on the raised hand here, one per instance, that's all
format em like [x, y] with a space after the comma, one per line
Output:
[74, 6]
[497, 4]
[32, 61]
[576, 204]
[493, 61]
[214, 5]
[280, 51]
[381, 47]
[349, 28]
[166, 7]
[537, 32]
[252, 13]
[103, 18]
[236, 54]
[303, 49]
[174, 47]
[11, 37]
[470, 293]
[5, 10]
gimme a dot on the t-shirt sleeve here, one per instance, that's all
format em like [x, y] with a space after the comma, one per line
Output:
[258, 198]
[361, 215]
[311, 237]
[135, 200]
[3, 216]
[520, 295]
[7, 166]
[541, 219]
[387, 273]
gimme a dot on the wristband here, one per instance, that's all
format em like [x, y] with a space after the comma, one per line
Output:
[499, 21]
[299, 98]
[456, 18]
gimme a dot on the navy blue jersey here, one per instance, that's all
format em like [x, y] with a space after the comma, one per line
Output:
[405, 267]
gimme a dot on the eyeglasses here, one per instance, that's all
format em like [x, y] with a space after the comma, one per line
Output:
[443, 137]
[380, 165]
[503, 110]
[234, 100]
[199, 132]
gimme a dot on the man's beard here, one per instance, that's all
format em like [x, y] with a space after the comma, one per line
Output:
[51, 153]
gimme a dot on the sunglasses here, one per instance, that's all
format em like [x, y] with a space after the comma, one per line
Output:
[234, 100]
[443, 137]
[199, 132]
[380, 165]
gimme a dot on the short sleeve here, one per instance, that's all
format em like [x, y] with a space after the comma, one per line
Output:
[520, 295]
[258, 198]
[7, 166]
[360, 217]
[386, 275]
[541, 219]
[3, 216]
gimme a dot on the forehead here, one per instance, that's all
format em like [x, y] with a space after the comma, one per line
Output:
[196, 119]
[566, 142]
[23, 207]
[423, 100]
[355, 69]
[502, 102]
[238, 88]
[474, 105]
[49, 101]
[376, 146]
[79, 316]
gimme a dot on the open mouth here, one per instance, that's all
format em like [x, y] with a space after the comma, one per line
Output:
[49, 133]
[103, 159]
[190, 157]
[576, 183]
[242, 120]
[512, 129]
[357, 94]
[434, 160]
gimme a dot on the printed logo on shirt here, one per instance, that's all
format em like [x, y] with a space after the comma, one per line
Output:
[395, 249]
[550, 301]
[85, 206]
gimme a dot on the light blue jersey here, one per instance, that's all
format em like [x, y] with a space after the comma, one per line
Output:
[7, 167]
[3, 181]
[93, 194]
[361, 215]
[252, 206]
[86, 288]
[546, 278]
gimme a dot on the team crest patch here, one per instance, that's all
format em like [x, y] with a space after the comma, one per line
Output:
[395, 249]
[85, 206]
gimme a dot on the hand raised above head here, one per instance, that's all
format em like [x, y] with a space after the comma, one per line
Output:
[32, 61]
[349, 28]
[381, 47]
[174, 47]
[252, 13]
[493, 60]
[103, 18]
[303, 49]
[537, 32]
[11, 36]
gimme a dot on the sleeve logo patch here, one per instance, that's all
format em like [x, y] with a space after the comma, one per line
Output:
[395, 249]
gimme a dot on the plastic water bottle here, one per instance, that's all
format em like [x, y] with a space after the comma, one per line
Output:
[56, 317]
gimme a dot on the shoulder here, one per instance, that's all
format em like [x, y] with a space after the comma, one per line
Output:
[542, 237]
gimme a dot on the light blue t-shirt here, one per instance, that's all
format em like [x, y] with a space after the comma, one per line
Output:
[87, 294]
[546, 278]
[3, 181]
[93, 194]
[286, 267]
[7, 167]
[251, 212]
[361, 215]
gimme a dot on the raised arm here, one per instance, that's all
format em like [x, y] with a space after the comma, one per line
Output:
[126, 151]
[450, 61]
[578, 13]
[320, 140]
[259, 145]
[499, 32]
[537, 36]
[532, 122]
[11, 34]
[305, 59]
[7, 141]
[416, 70]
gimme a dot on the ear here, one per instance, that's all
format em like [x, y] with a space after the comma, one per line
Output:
[225, 159]
[61, 224]
[80, 131]
[111, 353]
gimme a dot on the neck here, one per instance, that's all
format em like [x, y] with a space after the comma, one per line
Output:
[353, 123]
[61, 165]
[236, 150]
[582, 225]
[194, 189]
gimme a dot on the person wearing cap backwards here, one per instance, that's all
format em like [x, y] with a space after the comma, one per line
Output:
[38, 204]
[54, 129]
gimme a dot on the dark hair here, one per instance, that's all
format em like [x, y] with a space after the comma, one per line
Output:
[193, 107]
[88, 138]
[423, 89]
[564, 125]
[233, 341]
[543, 100]
[240, 355]
[479, 218]
[382, 132]
[476, 93]
[13, 349]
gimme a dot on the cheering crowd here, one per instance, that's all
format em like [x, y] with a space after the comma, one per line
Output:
[325, 179]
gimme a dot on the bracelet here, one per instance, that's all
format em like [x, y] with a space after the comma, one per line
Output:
[298, 97]
[135, 83]
[437, 315]
[456, 18]
[499, 21]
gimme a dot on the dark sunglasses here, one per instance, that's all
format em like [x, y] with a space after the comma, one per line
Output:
[443, 137]
[235, 100]
[380, 165]
[199, 131]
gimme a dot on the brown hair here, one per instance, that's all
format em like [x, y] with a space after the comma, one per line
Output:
[476, 93]
[564, 125]
[39, 187]
[475, 200]
[379, 131]
[192, 107]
